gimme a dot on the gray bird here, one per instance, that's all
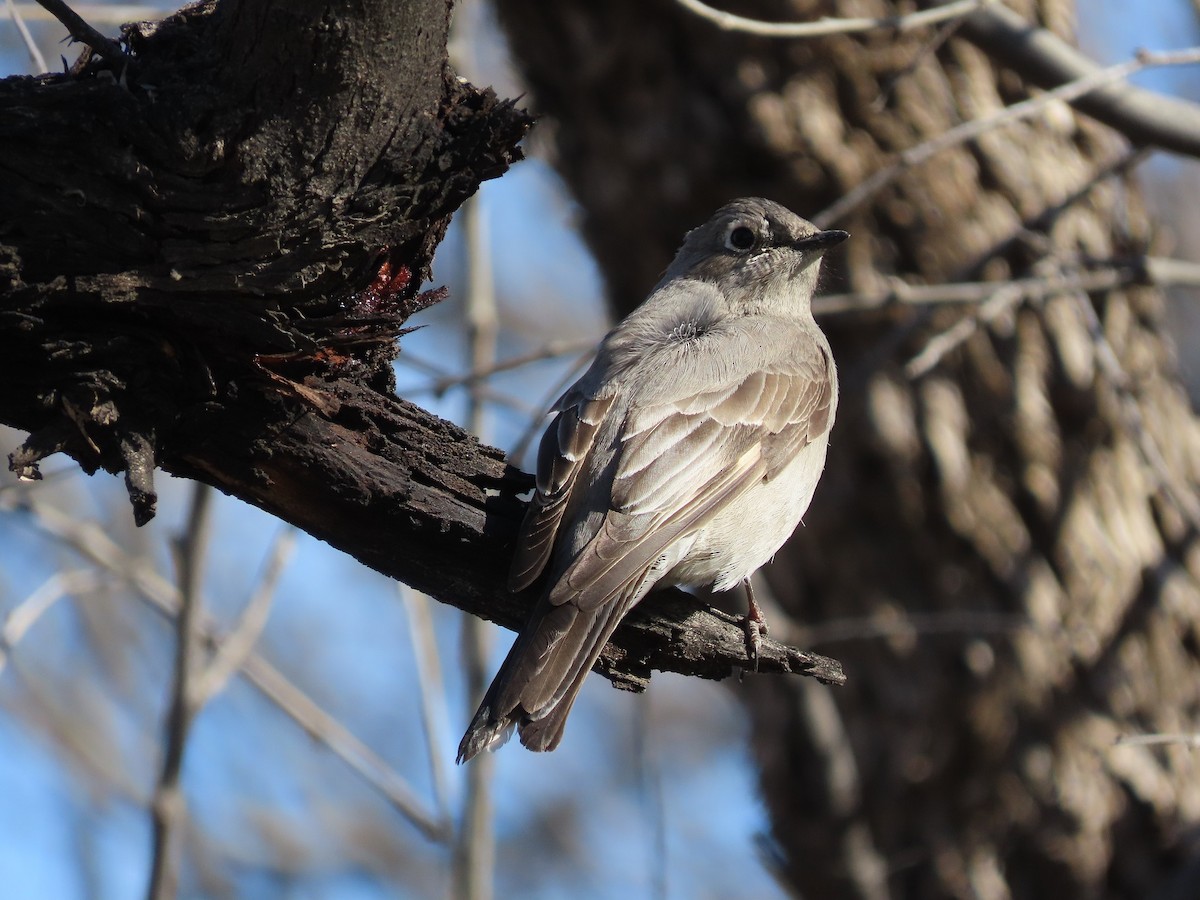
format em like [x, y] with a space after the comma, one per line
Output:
[685, 455]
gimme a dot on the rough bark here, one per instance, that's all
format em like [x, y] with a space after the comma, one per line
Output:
[208, 248]
[998, 518]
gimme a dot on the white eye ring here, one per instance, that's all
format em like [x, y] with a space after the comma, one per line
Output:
[741, 239]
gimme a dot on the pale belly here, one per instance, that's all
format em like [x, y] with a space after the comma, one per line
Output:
[748, 532]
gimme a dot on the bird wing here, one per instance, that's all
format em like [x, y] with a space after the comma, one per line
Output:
[686, 456]
[561, 453]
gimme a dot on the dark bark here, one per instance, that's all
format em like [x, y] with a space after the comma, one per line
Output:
[1007, 493]
[208, 249]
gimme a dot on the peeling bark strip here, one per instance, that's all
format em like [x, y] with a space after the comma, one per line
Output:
[208, 249]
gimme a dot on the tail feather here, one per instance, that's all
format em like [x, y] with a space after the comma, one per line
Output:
[540, 678]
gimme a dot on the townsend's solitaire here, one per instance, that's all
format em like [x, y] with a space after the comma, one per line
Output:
[685, 455]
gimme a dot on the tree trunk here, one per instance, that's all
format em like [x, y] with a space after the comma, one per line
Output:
[1012, 535]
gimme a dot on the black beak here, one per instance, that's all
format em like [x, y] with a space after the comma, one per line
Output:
[821, 241]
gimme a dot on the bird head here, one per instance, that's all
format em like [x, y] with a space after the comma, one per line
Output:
[759, 253]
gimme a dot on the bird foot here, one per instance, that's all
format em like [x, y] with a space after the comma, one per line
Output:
[755, 626]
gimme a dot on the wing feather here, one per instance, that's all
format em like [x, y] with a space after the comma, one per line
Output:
[564, 447]
[683, 460]
[738, 405]
[627, 545]
[650, 466]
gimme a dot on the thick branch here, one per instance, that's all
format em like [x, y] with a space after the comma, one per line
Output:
[213, 282]
[416, 498]
[1144, 117]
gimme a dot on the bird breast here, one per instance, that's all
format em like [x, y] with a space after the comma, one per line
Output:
[748, 532]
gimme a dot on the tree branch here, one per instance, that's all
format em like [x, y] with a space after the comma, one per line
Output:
[83, 32]
[213, 283]
[826, 25]
[1038, 55]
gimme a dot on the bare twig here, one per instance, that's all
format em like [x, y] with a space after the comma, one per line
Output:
[167, 805]
[549, 350]
[654, 809]
[826, 26]
[31, 46]
[338, 738]
[1180, 494]
[94, 544]
[475, 849]
[1004, 298]
[232, 652]
[998, 297]
[483, 321]
[412, 361]
[1162, 271]
[1147, 119]
[108, 13]
[927, 50]
[1150, 740]
[82, 31]
[969, 131]
[911, 624]
[432, 689]
[23, 616]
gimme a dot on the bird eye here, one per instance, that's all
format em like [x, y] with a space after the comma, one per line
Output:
[740, 238]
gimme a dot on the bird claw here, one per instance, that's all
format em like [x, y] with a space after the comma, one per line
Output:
[755, 626]
[754, 631]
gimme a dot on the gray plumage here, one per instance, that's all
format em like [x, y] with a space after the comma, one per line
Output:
[685, 455]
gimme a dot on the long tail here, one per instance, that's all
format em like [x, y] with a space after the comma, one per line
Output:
[541, 676]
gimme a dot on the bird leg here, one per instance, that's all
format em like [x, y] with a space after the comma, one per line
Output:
[755, 624]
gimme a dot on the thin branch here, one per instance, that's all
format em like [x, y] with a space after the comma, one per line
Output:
[1166, 271]
[826, 26]
[1003, 299]
[475, 849]
[926, 51]
[1150, 740]
[83, 32]
[25, 614]
[1180, 494]
[412, 361]
[482, 320]
[167, 805]
[338, 738]
[998, 297]
[1043, 58]
[549, 350]
[232, 652]
[654, 809]
[911, 624]
[1157, 270]
[35, 54]
[432, 689]
[108, 13]
[975, 128]
[94, 544]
